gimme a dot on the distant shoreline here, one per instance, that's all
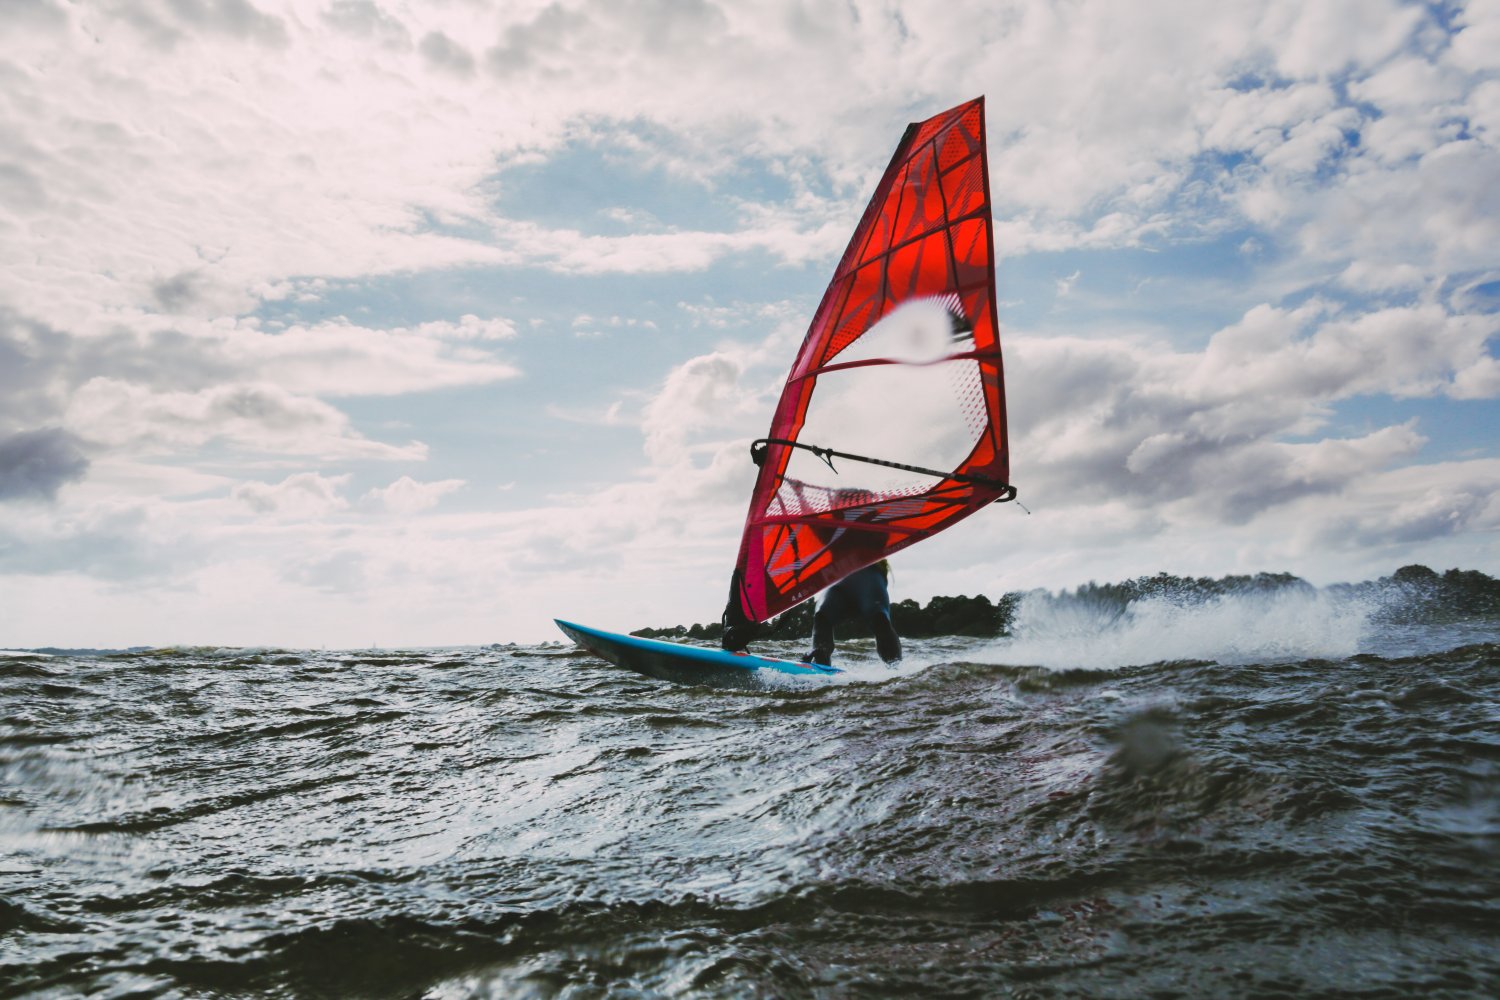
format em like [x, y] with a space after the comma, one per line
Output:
[1419, 591]
[1462, 591]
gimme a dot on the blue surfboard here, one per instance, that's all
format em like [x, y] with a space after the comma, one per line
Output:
[672, 661]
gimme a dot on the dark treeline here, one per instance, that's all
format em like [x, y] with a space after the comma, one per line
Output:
[1427, 594]
[1422, 591]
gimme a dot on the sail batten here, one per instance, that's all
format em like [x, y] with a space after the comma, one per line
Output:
[869, 362]
[901, 362]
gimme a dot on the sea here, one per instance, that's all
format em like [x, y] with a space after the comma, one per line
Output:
[1290, 794]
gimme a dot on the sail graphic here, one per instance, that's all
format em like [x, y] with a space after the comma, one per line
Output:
[891, 426]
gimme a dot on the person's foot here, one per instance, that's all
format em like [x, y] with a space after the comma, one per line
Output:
[737, 637]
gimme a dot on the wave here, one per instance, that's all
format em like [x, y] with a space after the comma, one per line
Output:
[1069, 631]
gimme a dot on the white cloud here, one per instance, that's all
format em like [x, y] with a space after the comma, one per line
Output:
[1440, 212]
[611, 415]
[1480, 380]
[1325, 38]
[1476, 46]
[338, 357]
[112, 477]
[114, 539]
[714, 399]
[468, 327]
[183, 388]
[353, 142]
[698, 394]
[408, 496]
[1484, 112]
[366, 20]
[1115, 419]
[594, 326]
[258, 417]
[301, 496]
[1307, 354]
[1309, 144]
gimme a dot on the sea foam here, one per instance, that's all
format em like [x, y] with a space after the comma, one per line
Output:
[1064, 631]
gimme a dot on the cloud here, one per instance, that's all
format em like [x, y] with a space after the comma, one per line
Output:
[696, 405]
[192, 386]
[334, 196]
[408, 496]
[36, 15]
[114, 540]
[1306, 353]
[1437, 211]
[176, 293]
[1478, 38]
[595, 326]
[1109, 418]
[336, 357]
[258, 417]
[552, 41]
[166, 23]
[444, 54]
[303, 495]
[365, 20]
[1409, 507]
[341, 573]
[250, 233]
[34, 465]
[611, 415]
[1481, 380]
[1100, 140]
[468, 327]
[1316, 40]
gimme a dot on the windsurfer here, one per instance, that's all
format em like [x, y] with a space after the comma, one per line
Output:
[861, 594]
[925, 240]
[739, 630]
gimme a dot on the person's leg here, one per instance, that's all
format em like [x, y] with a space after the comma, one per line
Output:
[887, 642]
[833, 608]
[822, 651]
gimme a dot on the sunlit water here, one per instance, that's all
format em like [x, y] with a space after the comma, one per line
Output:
[1253, 796]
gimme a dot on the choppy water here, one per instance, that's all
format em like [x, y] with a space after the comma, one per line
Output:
[1296, 802]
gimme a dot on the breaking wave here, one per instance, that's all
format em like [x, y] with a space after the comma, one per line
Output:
[1067, 631]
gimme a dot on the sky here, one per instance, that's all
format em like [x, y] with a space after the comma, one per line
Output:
[344, 323]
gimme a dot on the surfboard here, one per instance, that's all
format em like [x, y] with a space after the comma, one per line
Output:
[673, 661]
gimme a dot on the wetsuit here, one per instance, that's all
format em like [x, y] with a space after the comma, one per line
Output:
[861, 594]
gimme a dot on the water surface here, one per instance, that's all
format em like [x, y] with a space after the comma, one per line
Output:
[1243, 799]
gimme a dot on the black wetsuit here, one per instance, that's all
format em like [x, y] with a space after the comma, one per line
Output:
[861, 594]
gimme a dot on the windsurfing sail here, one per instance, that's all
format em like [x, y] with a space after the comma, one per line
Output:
[891, 426]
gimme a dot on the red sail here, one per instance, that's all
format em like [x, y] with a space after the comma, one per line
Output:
[921, 394]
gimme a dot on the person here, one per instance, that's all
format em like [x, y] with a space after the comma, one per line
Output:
[862, 594]
[739, 630]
